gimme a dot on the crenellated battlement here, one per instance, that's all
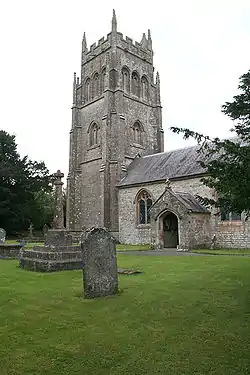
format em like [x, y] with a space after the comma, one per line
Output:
[141, 49]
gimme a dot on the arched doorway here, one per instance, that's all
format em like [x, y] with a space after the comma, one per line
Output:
[170, 230]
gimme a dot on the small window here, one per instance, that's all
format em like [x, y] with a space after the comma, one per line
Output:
[137, 133]
[144, 202]
[94, 135]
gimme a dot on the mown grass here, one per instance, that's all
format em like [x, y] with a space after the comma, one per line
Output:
[223, 251]
[119, 247]
[124, 247]
[182, 316]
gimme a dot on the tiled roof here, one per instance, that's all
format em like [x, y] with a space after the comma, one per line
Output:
[166, 165]
[191, 203]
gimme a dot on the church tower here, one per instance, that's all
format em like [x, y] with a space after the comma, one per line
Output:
[116, 116]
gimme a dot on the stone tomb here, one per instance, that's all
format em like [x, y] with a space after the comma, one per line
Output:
[58, 253]
[100, 267]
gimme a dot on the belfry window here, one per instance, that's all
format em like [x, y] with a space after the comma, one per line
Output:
[137, 133]
[144, 202]
[94, 135]
[135, 84]
[125, 80]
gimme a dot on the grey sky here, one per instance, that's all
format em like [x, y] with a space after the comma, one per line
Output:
[201, 48]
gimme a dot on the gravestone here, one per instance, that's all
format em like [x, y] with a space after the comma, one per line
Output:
[100, 266]
[2, 235]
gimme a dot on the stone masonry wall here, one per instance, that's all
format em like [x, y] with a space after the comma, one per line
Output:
[234, 234]
[129, 230]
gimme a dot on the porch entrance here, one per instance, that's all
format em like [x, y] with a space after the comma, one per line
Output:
[170, 230]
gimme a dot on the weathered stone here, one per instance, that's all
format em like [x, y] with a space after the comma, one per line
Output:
[57, 253]
[31, 227]
[10, 251]
[45, 259]
[100, 267]
[117, 95]
[116, 117]
[58, 220]
[2, 235]
[58, 237]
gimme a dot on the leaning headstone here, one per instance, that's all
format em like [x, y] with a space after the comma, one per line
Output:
[2, 235]
[99, 264]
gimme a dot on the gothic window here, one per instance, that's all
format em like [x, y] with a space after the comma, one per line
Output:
[103, 77]
[137, 132]
[95, 85]
[135, 84]
[144, 88]
[125, 80]
[87, 90]
[94, 135]
[144, 202]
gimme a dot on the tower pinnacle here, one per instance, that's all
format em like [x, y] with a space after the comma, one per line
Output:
[84, 43]
[149, 40]
[114, 23]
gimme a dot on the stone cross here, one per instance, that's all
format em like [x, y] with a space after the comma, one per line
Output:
[58, 220]
[31, 227]
[99, 264]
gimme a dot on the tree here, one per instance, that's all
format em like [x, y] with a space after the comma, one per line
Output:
[228, 161]
[20, 180]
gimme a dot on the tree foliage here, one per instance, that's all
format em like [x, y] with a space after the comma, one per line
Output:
[228, 161]
[21, 182]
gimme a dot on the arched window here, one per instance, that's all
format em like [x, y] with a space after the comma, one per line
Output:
[95, 85]
[144, 88]
[87, 90]
[94, 134]
[103, 78]
[144, 202]
[125, 80]
[137, 133]
[135, 84]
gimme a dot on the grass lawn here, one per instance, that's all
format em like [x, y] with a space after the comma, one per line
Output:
[123, 247]
[223, 251]
[184, 315]
[120, 247]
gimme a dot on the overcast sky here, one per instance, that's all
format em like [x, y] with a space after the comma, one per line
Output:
[201, 47]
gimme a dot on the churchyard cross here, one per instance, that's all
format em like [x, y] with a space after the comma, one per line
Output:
[58, 221]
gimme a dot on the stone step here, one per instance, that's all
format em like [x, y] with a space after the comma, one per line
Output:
[44, 265]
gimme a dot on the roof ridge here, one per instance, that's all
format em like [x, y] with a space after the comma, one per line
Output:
[167, 152]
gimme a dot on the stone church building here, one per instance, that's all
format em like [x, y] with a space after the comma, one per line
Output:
[120, 177]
